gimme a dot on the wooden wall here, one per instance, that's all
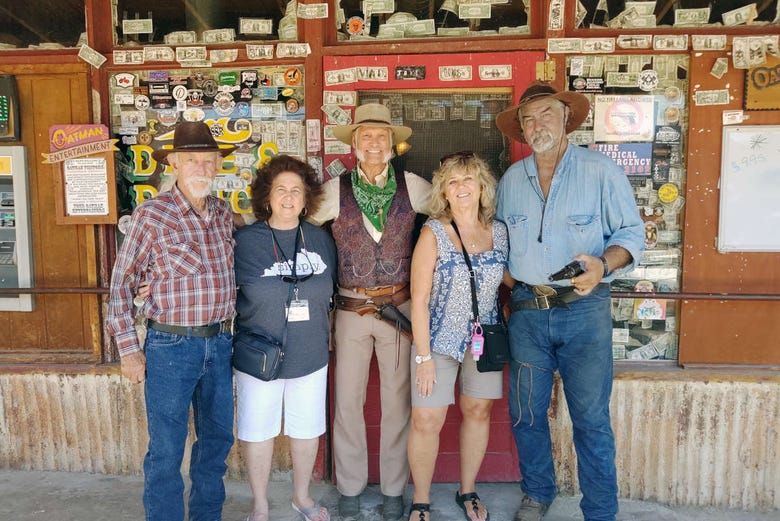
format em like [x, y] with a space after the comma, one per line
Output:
[722, 332]
[61, 328]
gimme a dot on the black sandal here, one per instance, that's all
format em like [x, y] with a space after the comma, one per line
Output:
[461, 500]
[422, 508]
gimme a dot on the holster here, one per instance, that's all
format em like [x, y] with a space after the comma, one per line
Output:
[384, 307]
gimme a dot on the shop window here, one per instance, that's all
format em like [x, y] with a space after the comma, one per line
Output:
[203, 21]
[397, 19]
[260, 110]
[445, 122]
[626, 14]
[32, 26]
[639, 118]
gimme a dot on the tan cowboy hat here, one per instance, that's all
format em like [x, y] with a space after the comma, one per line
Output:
[372, 115]
[579, 106]
[191, 136]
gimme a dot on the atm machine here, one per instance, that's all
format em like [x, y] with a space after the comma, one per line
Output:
[15, 238]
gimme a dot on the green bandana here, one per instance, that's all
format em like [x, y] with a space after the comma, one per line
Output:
[373, 201]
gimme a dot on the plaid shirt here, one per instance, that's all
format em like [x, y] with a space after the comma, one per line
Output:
[186, 259]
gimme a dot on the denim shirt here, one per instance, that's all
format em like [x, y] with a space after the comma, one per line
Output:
[590, 206]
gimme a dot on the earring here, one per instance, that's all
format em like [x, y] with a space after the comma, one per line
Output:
[268, 207]
[305, 211]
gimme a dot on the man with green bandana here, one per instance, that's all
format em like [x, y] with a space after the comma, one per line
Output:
[373, 210]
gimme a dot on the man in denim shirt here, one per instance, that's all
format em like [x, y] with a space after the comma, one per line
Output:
[560, 204]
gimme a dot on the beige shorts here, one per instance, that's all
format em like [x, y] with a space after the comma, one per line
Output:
[472, 383]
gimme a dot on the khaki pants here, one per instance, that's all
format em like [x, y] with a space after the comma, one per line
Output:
[357, 338]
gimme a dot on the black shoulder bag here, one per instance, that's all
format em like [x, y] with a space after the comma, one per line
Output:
[496, 350]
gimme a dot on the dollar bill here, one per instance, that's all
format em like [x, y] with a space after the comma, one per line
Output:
[181, 38]
[139, 26]
[720, 67]
[337, 148]
[495, 72]
[128, 57]
[582, 12]
[259, 52]
[623, 18]
[555, 19]
[159, 54]
[623, 79]
[339, 97]
[740, 52]
[670, 42]
[642, 8]
[218, 35]
[452, 31]
[392, 31]
[520, 29]
[378, 6]
[711, 97]
[635, 41]
[223, 55]
[191, 54]
[340, 76]
[455, 72]
[756, 51]
[91, 56]
[449, 5]
[371, 73]
[336, 168]
[255, 25]
[689, 17]
[740, 16]
[341, 16]
[293, 50]
[581, 137]
[641, 21]
[288, 33]
[597, 45]
[312, 11]
[420, 28]
[466, 11]
[564, 45]
[708, 42]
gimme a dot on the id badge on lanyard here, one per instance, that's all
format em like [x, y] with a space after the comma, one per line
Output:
[298, 310]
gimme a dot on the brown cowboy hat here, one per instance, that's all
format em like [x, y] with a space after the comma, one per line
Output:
[509, 124]
[372, 115]
[191, 136]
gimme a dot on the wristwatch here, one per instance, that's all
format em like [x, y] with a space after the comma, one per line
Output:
[422, 358]
[606, 266]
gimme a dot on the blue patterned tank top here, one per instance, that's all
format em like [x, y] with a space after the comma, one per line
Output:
[450, 302]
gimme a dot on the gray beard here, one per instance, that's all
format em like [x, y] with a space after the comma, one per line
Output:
[362, 157]
[542, 142]
[199, 186]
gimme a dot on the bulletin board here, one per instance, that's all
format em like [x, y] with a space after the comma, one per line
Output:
[750, 189]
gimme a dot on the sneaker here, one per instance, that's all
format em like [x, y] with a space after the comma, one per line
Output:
[530, 510]
[392, 507]
[349, 506]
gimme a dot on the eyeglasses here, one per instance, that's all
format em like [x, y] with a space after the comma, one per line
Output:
[460, 156]
[295, 280]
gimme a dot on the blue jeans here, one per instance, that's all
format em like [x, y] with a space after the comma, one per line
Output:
[180, 371]
[577, 341]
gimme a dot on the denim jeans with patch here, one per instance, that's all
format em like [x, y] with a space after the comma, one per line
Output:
[180, 371]
[575, 340]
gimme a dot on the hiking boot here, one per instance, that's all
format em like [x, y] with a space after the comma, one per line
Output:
[530, 510]
[392, 507]
[349, 506]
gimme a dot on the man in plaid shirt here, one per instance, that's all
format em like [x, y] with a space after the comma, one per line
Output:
[180, 245]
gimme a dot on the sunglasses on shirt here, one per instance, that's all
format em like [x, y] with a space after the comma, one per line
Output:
[459, 156]
[289, 279]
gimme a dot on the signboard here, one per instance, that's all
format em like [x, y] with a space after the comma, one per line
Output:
[762, 85]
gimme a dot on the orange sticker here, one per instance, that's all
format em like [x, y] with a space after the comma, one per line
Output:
[355, 25]
[292, 76]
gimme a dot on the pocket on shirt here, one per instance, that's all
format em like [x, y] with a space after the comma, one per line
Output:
[183, 259]
[585, 233]
[517, 226]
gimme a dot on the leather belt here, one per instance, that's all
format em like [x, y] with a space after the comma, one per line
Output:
[380, 291]
[226, 326]
[362, 304]
[546, 297]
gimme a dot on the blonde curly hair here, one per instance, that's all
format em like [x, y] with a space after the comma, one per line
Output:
[464, 163]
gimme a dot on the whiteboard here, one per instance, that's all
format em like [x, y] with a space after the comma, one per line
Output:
[750, 189]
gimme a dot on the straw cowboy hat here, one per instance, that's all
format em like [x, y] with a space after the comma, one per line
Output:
[372, 115]
[509, 124]
[191, 136]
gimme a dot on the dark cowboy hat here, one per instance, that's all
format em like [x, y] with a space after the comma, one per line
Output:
[509, 124]
[372, 115]
[191, 136]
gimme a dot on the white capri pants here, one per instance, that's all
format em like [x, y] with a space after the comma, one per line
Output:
[260, 405]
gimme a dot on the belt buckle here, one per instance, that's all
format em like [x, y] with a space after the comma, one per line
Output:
[542, 296]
